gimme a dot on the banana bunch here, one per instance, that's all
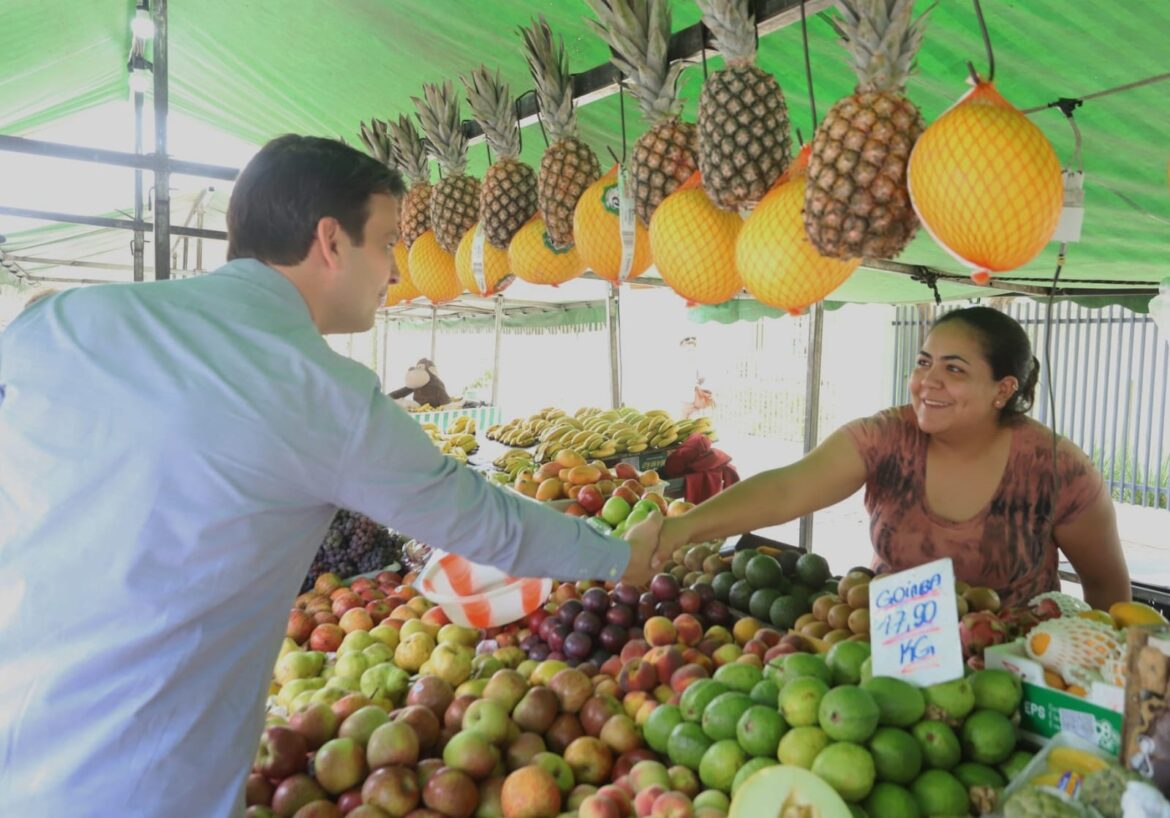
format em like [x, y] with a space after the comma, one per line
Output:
[512, 462]
[457, 445]
[524, 432]
[598, 434]
[464, 424]
[702, 426]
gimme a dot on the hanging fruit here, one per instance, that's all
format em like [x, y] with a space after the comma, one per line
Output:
[693, 243]
[568, 166]
[432, 269]
[744, 143]
[986, 183]
[663, 158]
[412, 154]
[455, 197]
[856, 203]
[497, 273]
[598, 232]
[778, 263]
[535, 259]
[404, 290]
[507, 197]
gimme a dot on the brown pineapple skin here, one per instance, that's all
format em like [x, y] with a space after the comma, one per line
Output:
[567, 169]
[662, 159]
[507, 200]
[454, 209]
[857, 204]
[416, 213]
[744, 135]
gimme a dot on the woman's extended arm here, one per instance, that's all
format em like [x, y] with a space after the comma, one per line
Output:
[827, 475]
[1093, 546]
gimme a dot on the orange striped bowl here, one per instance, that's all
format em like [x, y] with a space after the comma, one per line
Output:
[479, 596]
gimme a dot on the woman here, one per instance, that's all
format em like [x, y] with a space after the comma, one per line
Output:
[961, 472]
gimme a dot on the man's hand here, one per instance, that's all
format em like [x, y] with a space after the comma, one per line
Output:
[644, 541]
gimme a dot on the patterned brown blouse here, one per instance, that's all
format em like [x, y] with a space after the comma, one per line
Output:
[1008, 545]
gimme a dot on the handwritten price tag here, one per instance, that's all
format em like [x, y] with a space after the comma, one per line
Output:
[914, 625]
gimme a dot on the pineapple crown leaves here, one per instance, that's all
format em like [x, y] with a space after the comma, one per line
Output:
[638, 34]
[411, 151]
[732, 23]
[378, 143]
[549, 64]
[494, 109]
[438, 114]
[882, 41]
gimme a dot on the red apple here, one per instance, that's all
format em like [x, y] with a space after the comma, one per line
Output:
[590, 499]
[317, 723]
[340, 764]
[625, 471]
[300, 626]
[393, 789]
[282, 753]
[293, 793]
[321, 808]
[326, 638]
[258, 791]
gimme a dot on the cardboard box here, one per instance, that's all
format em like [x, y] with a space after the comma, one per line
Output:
[1046, 711]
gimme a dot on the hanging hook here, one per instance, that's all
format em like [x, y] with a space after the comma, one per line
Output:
[622, 112]
[539, 120]
[986, 46]
[812, 100]
[703, 46]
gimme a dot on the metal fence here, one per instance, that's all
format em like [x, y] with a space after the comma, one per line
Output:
[1107, 372]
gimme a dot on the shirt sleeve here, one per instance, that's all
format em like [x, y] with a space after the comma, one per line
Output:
[871, 436]
[1080, 483]
[393, 473]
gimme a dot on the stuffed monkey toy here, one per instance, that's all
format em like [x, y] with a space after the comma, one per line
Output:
[423, 385]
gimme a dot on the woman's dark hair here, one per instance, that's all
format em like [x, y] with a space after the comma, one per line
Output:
[1007, 349]
[293, 183]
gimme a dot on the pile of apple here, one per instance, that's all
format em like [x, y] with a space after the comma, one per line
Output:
[533, 741]
[323, 615]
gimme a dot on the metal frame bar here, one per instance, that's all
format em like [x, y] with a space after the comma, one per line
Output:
[105, 221]
[162, 175]
[812, 413]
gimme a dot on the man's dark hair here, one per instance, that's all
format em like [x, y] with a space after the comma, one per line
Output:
[1007, 350]
[293, 183]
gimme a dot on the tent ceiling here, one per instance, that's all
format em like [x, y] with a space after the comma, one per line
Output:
[257, 68]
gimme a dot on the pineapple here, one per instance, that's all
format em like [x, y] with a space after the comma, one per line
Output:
[455, 197]
[857, 203]
[416, 207]
[638, 32]
[507, 198]
[744, 145]
[378, 143]
[568, 166]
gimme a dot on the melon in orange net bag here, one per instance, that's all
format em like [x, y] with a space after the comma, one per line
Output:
[986, 183]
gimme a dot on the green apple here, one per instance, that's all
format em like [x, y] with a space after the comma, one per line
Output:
[615, 510]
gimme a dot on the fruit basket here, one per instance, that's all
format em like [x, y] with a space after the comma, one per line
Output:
[479, 596]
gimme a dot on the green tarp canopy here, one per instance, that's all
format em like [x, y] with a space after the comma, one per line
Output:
[258, 68]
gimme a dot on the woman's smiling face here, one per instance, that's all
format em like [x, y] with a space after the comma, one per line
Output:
[952, 386]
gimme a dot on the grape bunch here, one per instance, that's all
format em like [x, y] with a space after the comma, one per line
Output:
[354, 544]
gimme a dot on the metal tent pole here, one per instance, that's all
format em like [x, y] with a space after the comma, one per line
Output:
[613, 320]
[499, 344]
[434, 331]
[812, 410]
[138, 246]
[162, 175]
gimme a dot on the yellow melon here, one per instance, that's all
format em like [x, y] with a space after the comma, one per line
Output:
[598, 234]
[986, 183]
[693, 242]
[497, 273]
[404, 290]
[432, 269]
[777, 262]
[534, 258]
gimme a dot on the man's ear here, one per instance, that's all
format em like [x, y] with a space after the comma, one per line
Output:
[328, 237]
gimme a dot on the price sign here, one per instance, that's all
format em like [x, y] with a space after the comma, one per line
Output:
[477, 259]
[914, 624]
[626, 222]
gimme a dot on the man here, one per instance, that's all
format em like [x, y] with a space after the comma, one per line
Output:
[171, 455]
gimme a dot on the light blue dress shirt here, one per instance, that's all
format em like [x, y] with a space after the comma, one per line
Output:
[171, 455]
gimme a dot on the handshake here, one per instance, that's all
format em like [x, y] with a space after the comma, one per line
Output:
[652, 541]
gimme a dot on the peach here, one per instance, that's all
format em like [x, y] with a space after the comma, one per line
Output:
[755, 647]
[599, 806]
[644, 800]
[638, 675]
[751, 659]
[634, 700]
[779, 650]
[685, 676]
[646, 709]
[627, 761]
[694, 656]
[634, 649]
[610, 667]
[620, 797]
[665, 661]
[689, 629]
[684, 780]
[660, 631]
[672, 805]
[578, 794]
[769, 636]
[727, 654]
[356, 619]
[622, 782]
